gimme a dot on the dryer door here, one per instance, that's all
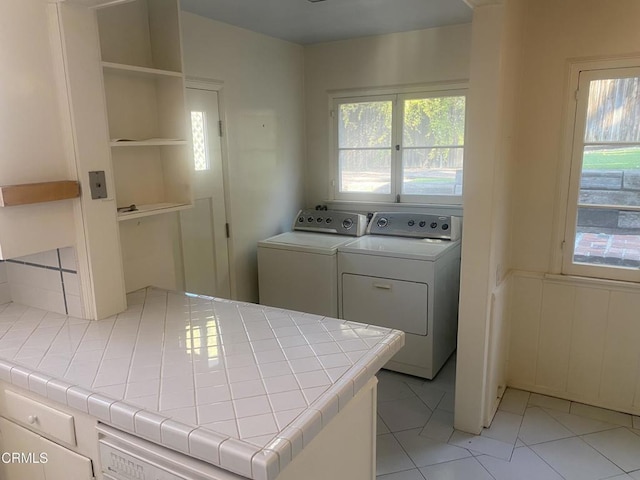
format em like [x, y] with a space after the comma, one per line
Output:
[385, 302]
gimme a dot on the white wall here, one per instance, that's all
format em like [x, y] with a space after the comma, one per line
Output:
[416, 57]
[34, 130]
[263, 104]
[557, 32]
[568, 338]
[482, 325]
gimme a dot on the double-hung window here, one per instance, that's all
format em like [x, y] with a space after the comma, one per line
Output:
[602, 234]
[406, 147]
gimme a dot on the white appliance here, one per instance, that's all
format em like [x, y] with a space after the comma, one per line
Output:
[395, 277]
[125, 457]
[298, 270]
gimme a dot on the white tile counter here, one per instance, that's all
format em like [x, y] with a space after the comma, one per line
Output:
[241, 386]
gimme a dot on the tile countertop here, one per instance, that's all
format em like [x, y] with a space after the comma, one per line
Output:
[239, 385]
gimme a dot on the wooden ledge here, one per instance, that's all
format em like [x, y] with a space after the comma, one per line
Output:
[25, 194]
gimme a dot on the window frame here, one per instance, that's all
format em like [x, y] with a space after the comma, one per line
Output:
[363, 196]
[398, 96]
[431, 199]
[582, 75]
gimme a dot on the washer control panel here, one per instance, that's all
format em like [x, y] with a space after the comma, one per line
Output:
[331, 221]
[415, 225]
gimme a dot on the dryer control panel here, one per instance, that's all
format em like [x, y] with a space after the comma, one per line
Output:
[331, 221]
[415, 225]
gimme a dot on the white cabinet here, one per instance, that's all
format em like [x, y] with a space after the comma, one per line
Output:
[40, 417]
[144, 89]
[61, 461]
[42, 440]
[17, 439]
[38, 458]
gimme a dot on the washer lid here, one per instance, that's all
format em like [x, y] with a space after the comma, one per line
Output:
[399, 247]
[319, 243]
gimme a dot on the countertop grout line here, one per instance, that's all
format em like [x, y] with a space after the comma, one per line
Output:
[389, 343]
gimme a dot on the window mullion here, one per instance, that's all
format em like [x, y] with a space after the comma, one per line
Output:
[576, 172]
[396, 174]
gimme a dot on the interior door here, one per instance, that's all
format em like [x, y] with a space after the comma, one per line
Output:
[203, 228]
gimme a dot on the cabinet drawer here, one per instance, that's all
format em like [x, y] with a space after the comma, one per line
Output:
[385, 302]
[40, 418]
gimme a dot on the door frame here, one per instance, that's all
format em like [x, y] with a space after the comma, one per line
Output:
[201, 83]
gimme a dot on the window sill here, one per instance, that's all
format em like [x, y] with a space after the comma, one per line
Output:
[593, 282]
[363, 206]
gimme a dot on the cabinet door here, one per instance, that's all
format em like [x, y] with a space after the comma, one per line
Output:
[63, 464]
[15, 439]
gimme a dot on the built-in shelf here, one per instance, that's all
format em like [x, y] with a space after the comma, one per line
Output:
[28, 193]
[138, 71]
[152, 209]
[154, 142]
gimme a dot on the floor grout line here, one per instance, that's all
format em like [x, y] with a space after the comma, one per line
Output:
[517, 438]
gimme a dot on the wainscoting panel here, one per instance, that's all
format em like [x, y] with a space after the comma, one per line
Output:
[576, 339]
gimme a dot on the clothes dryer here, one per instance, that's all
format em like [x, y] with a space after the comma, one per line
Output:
[395, 277]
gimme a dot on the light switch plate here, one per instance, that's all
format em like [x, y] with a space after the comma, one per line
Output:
[98, 185]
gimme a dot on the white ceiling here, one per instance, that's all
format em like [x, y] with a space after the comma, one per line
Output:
[303, 22]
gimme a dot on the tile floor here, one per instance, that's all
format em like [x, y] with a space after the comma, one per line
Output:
[533, 437]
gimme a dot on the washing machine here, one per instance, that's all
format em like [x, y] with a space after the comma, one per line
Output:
[405, 274]
[298, 270]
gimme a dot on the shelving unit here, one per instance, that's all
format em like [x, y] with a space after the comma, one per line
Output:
[144, 90]
[152, 142]
[151, 209]
[138, 71]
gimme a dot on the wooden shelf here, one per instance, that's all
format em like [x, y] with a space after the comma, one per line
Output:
[152, 209]
[28, 193]
[154, 142]
[138, 71]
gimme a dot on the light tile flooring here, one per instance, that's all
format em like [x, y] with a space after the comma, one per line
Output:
[533, 437]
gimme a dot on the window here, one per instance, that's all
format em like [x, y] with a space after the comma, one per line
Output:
[400, 147]
[602, 236]
[199, 135]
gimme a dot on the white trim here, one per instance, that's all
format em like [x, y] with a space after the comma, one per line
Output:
[603, 283]
[201, 83]
[455, 210]
[473, 4]
[363, 196]
[460, 84]
[574, 67]
[427, 199]
[398, 94]
[581, 73]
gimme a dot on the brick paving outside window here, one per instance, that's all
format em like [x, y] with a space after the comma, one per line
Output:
[604, 249]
